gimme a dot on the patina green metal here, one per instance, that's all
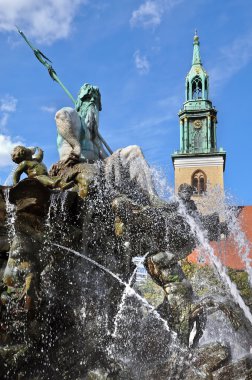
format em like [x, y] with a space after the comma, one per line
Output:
[196, 51]
[88, 105]
[47, 63]
[198, 117]
[197, 71]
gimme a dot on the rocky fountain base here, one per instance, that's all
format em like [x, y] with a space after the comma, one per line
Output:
[68, 309]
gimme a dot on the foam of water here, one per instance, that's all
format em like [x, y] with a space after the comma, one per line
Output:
[203, 242]
[216, 201]
[53, 207]
[127, 292]
[9, 179]
[10, 215]
[242, 243]
[130, 291]
[215, 261]
[235, 229]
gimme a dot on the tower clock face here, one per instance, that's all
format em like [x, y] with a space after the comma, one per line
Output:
[197, 124]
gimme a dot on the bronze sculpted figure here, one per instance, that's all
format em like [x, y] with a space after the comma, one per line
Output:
[33, 166]
[78, 136]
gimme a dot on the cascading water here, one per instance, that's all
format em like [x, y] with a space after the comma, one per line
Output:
[84, 317]
[11, 215]
[56, 207]
[242, 244]
[127, 292]
[205, 247]
[216, 201]
[123, 308]
[9, 180]
[216, 262]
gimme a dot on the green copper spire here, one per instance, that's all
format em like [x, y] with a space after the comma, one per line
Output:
[198, 124]
[197, 79]
[196, 50]
[198, 117]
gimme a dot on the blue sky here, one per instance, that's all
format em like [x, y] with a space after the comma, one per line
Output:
[138, 53]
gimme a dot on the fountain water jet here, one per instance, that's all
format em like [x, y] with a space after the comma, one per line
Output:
[216, 262]
[128, 289]
[127, 292]
[75, 307]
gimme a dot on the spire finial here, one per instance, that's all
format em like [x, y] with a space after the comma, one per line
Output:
[196, 37]
[196, 53]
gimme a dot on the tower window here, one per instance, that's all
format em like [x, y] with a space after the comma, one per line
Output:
[202, 185]
[199, 182]
[197, 88]
[206, 85]
[195, 184]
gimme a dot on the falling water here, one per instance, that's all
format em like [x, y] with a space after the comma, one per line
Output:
[219, 202]
[164, 189]
[10, 215]
[174, 343]
[127, 292]
[242, 243]
[9, 179]
[215, 261]
[53, 207]
[56, 215]
[130, 291]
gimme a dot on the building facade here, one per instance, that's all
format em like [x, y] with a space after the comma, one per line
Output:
[198, 162]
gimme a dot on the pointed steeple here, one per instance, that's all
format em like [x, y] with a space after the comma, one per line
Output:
[199, 135]
[196, 50]
[197, 79]
[198, 161]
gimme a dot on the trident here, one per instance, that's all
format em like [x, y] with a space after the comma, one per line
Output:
[47, 63]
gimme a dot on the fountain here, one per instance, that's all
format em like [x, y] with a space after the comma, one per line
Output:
[68, 237]
[68, 306]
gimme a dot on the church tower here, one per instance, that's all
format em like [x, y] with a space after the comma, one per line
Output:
[198, 162]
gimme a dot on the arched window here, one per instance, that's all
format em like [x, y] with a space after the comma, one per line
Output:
[195, 184]
[187, 91]
[199, 182]
[197, 88]
[206, 88]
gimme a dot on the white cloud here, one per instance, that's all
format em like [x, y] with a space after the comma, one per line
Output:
[150, 13]
[3, 121]
[232, 58]
[47, 20]
[6, 147]
[49, 109]
[8, 104]
[141, 62]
